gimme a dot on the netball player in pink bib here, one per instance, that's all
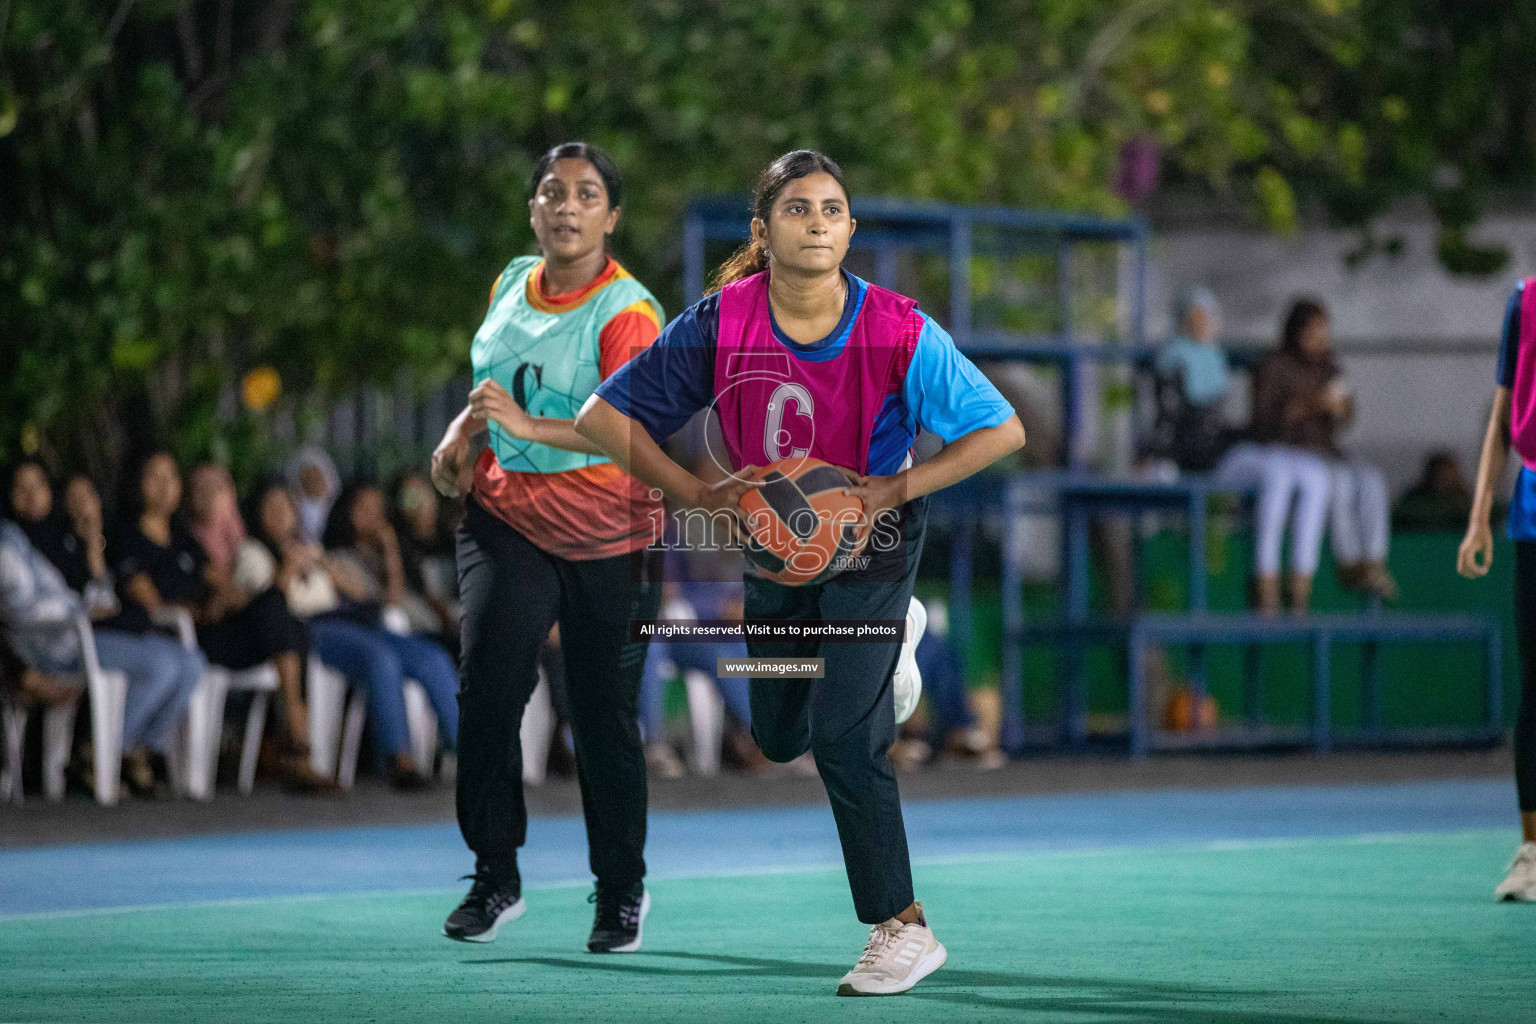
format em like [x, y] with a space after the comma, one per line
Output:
[1512, 424]
[799, 358]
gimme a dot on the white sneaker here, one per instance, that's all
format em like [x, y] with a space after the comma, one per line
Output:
[896, 957]
[907, 682]
[1519, 886]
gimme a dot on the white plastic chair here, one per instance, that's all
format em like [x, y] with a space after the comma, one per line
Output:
[108, 691]
[327, 694]
[420, 723]
[336, 726]
[199, 760]
[706, 722]
[261, 682]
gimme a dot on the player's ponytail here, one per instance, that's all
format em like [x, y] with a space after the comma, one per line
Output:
[752, 258]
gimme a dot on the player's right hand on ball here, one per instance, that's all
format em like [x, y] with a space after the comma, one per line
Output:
[725, 494]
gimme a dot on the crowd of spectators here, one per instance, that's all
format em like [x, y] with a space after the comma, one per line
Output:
[306, 569]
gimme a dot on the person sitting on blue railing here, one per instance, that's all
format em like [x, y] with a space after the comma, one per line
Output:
[1194, 432]
[1303, 404]
[1192, 387]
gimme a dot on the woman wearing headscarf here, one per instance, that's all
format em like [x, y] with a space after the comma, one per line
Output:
[315, 483]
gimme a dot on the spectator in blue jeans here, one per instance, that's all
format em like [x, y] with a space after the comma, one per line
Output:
[704, 582]
[345, 631]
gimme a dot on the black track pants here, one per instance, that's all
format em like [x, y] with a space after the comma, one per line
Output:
[846, 719]
[513, 593]
[1525, 721]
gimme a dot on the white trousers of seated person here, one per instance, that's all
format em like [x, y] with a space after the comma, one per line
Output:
[1293, 486]
[1359, 512]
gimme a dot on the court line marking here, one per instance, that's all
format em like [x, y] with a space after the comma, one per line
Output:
[980, 857]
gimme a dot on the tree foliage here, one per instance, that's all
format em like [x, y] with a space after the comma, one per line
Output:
[196, 187]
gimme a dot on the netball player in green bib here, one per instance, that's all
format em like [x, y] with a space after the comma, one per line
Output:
[553, 532]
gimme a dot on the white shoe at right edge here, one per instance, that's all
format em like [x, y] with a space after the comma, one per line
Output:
[1519, 886]
[896, 957]
[907, 681]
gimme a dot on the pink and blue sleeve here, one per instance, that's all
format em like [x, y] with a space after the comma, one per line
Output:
[945, 391]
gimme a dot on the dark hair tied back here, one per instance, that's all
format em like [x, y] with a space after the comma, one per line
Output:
[599, 160]
[752, 258]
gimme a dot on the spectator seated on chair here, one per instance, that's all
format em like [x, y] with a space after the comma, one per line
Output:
[160, 565]
[161, 673]
[315, 483]
[39, 663]
[340, 603]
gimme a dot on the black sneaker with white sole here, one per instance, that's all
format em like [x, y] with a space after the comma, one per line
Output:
[495, 898]
[617, 921]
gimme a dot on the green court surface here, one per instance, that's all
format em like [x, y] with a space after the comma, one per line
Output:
[1371, 928]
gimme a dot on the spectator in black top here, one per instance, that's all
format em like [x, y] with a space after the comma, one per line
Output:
[31, 507]
[161, 673]
[159, 564]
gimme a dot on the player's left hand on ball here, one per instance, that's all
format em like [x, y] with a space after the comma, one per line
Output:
[490, 401]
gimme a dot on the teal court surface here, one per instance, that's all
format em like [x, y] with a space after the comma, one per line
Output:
[1327, 903]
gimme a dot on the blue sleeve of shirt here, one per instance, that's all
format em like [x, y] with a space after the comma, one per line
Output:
[944, 390]
[662, 387]
[1509, 345]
